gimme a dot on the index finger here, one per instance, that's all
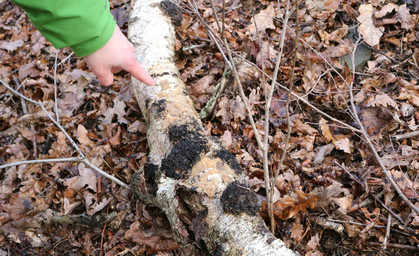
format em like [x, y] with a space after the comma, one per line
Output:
[137, 71]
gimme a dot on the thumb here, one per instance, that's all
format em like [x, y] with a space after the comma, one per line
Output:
[137, 71]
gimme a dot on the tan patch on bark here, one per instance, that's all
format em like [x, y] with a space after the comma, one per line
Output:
[211, 176]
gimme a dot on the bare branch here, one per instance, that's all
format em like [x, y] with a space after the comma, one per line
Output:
[406, 135]
[81, 159]
[290, 86]
[369, 142]
[55, 87]
[55, 160]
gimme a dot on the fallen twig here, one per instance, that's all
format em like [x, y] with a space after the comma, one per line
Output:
[406, 135]
[363, 224]
[375, 197]
[82, 157]
[398, 246]
[268, 106]
[369, 142]
[384, 246]
[344, 125]
[55, 87]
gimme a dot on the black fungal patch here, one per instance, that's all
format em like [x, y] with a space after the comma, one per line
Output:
[189, 144]
[177, 132]
[147, 103]
[237, 198]
[151, 174]
[185, 153]
[161, 74]
[218, 250]
[229, 158]
[159, 106]
[173, 11]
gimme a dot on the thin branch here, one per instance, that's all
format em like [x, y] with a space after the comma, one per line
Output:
[267, 115]
[375, 197]
[345, 125]
[69, 159]
[363, 224]
[55, 87]
[105, 174]
[387, 232]
[66, 58]
[81, 159]
[242, 94]
[398, 246]
[217, 20]
[55, 160]
[406, 135]
[370, 144]
[223, 19]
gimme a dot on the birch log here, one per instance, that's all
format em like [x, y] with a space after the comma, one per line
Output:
[197, 183]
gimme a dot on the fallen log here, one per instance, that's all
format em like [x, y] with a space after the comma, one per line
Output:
[197, 183]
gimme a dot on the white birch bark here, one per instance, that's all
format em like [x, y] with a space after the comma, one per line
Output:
[193, 203]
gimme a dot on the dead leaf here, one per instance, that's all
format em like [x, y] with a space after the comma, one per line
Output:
[150, 238]
[377, 119]
[227, 139]
[86, 179]
[381, 100]
[264, 20]
[82, 136]
[335, 36]
[289, 206]
[118, 109]
[386, 10]
[29, 70]
[95, 204]
[303, 128]
[367, 29]
[392, 14]
[337, 194]
[11, 46]
[237, 108]
[328, 5]
[297, 231]
[322, 152]
[327, 133]
[344, 144]
[314, 242]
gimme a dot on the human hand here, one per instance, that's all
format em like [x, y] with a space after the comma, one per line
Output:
[116, 55]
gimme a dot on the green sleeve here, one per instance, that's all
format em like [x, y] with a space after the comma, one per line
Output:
[83, 25]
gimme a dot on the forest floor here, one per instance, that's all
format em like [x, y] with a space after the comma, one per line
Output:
[332, 196]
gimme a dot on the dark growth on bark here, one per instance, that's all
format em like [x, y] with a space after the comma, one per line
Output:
[189, 144]
[151, 172]
[173, 11]
[177, 132]
[237, 198]
[229, 158]
[159, 106]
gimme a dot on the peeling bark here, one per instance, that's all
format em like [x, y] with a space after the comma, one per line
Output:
[195, 181]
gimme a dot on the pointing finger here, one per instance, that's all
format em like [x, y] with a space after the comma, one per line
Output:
[136, 70]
